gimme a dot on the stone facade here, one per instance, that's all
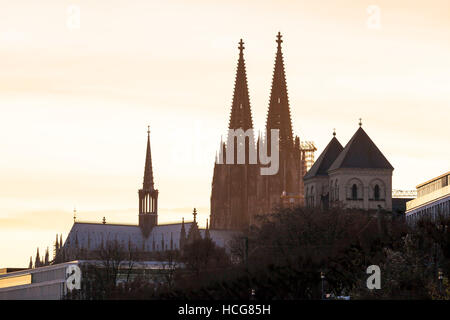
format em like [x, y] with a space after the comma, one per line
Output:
[239, 191]
[357, 176]
[342, 184]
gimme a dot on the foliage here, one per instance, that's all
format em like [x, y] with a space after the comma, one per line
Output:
[283, 256]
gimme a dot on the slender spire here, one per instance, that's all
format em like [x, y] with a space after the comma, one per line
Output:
[37, 260]
[46, 257]
[207, 235]
[279, 41]
[148, 173]
[241, 115]
[193, 233]
[182, 235]
[279, 115]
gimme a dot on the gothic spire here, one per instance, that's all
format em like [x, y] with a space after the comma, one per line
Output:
[148, 173]
[241, 115]
[193, 233]
[279, 115]
[47, 258]
[37, 260]
[207, 235]
[182, 235]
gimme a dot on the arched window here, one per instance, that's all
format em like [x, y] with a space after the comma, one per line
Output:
[354, 192]
[336, 190]
[330, 192]
[307, 197]
[376, 192]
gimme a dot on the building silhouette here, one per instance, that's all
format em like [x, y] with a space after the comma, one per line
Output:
[355, 176]
[144, 238]
[239, 191]
[148, 195]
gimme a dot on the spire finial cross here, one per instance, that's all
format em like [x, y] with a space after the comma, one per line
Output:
[241, 46]
[279, 41]
[148, 130]
[194, 214]
[334, 132]
[360, 122]
[74, 214]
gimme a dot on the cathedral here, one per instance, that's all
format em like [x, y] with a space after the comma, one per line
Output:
[356, 176]
[239, 191]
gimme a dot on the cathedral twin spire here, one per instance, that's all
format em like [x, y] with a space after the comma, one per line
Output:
[238, 192]
[241, 115]
[278, 116]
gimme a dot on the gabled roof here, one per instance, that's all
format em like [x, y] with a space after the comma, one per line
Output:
[90, 236]
[361, 152]
[325, 160]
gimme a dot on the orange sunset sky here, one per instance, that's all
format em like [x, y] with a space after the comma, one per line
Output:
[75, 102]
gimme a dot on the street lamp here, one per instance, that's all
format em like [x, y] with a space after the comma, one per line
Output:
[322, 277]
[440, 278]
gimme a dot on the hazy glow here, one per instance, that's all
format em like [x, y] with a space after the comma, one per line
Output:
[75, 103]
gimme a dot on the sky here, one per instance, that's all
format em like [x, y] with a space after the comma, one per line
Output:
[81, 80]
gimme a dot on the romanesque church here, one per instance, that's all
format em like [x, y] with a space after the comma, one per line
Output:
[355, 176]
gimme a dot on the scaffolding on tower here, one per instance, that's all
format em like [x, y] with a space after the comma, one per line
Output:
[307, 149]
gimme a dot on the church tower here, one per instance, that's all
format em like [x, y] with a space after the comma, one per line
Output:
[148, 195]
[233, 194]
[284, 187]
[239, 191]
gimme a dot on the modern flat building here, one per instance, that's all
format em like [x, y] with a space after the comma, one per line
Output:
[45, 283]
[400, 198]
[433, 199]
[55, 281]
